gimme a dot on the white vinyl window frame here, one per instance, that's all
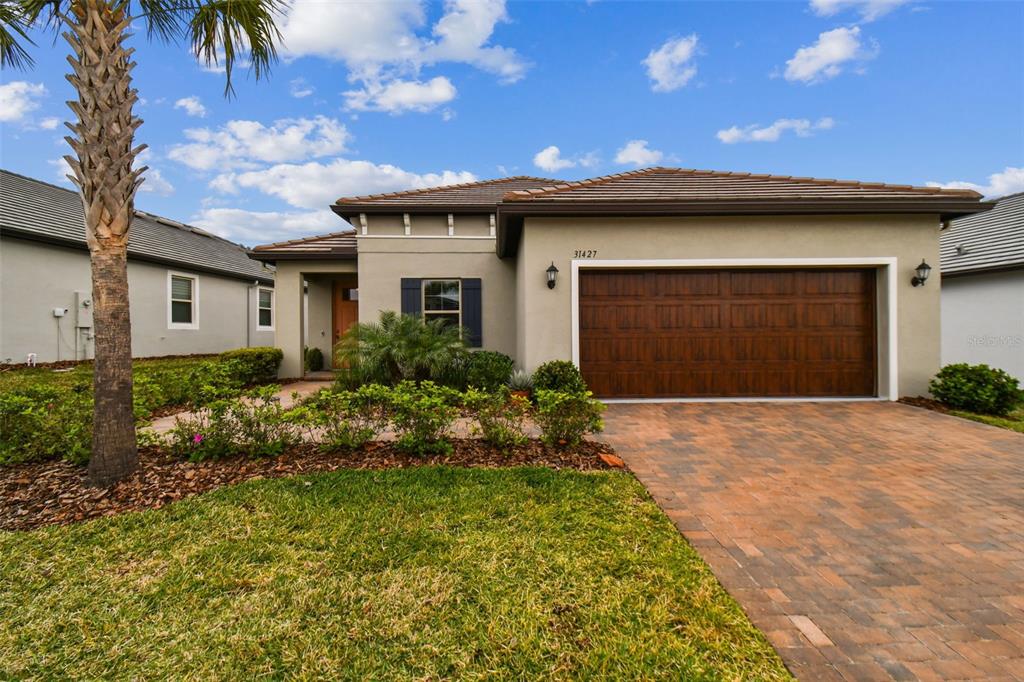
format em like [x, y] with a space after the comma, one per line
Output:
[260, 307]
[887, 376]
[427, 314]
[171, 324]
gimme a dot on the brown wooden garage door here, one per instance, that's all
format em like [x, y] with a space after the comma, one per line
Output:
[728, 333]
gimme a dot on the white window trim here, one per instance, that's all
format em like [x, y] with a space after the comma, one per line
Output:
[273, 309]
[888, 264]
[194, 324]
[423, 297]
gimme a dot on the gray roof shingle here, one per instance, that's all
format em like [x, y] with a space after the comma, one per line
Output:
[985, 241]
[38, 210]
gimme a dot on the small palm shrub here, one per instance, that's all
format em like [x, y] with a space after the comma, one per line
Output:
[565, 418]
[488, 370]
[559, 375]
[399, 348]
[976, 388]
[423, 415]
[344, 419]
[500, 416]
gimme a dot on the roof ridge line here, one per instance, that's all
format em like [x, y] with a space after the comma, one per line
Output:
[422, 190]
[525, 194]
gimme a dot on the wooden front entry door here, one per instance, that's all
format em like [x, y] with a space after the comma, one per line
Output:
[696, 333]
[345, 310]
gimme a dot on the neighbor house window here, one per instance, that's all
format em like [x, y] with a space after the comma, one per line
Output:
[442, 300]
[183, 291]
[265, 308]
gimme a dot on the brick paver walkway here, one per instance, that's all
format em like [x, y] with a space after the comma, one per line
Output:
[867, 540]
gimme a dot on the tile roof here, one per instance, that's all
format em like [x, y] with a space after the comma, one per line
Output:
[985, 241]
[683, 184]
[39, 210]
[468, 193]
[334, 245]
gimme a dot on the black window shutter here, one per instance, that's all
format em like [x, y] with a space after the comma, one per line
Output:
[412, 299]
[472, 312]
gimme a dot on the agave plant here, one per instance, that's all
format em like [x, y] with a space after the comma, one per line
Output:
[399, 348]
[521, 380]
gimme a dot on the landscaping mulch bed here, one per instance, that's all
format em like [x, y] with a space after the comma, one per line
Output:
[55, 493]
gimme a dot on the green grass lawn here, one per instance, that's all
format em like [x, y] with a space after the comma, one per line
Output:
[1013, 421]
[31, 376]
[422, 573]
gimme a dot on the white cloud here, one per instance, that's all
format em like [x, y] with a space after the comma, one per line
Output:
[261, 227]
[1009, 181]
[399, 96]
[636, 153]
[825, 58]
[671, 66]
[299, 88]
[192, 106]
[50, 123]
[802, 127]
[869, 10]
[550, 159]
[387, 43]
[154, 179]
[18, 99]
[244, 144]
[314, 184]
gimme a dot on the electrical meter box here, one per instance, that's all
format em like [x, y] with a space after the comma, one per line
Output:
[83, 310]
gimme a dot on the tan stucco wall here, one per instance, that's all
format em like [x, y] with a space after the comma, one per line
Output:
[35, 278]
[291, 321]
[426, 225]
[545, 331]
[384, 262]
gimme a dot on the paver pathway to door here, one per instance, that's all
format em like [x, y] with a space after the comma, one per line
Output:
[868, 540]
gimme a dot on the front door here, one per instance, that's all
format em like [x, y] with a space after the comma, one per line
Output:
[345, 310]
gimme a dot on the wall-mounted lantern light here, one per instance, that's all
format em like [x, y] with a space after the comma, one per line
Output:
[552, 272]
[921, 274]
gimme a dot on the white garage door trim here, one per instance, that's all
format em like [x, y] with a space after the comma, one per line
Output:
[887, 264]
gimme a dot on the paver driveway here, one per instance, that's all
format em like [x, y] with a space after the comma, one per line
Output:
[867, 540]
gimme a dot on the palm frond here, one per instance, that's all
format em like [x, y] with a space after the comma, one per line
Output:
[14, 25]
[233, 30]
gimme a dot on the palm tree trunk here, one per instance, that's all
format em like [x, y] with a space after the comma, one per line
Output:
[102, 167]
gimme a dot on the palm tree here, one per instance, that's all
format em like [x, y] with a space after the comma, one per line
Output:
[103, 141]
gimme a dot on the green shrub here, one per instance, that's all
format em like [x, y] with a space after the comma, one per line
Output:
[254, 365]
[46, 422]
[976, 388]
[344, 419]
[559, 375]
[314, 359]
[399, 348]
[565, 418]
[423, 415]
[500, 416]
[488, 370]
[253, 424]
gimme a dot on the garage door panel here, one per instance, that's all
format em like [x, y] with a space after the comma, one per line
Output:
[728, 333]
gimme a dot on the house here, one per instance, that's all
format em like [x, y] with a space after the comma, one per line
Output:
[658, 283]
[982, 258]
[191, 292]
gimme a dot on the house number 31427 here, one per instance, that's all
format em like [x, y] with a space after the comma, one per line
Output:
[584, 253]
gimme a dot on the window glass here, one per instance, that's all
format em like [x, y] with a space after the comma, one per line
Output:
[442, 300]
[266, 308]
[181, 300]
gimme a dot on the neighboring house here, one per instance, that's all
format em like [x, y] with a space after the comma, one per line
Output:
[190, 291]
[983, 288]
[670, 283]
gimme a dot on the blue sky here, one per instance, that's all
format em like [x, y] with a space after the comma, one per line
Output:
[382, 96]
